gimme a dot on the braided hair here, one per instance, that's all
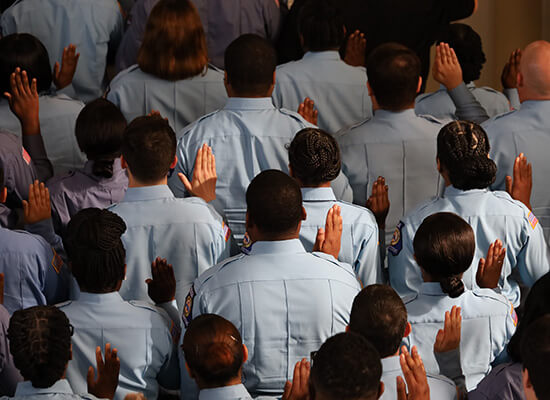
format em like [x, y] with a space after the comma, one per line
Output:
[463, 151]
[314, 157]
[95, 249]
[40, 342]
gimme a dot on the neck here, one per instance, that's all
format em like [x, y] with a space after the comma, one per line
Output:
[232, 382]
[321, 185]
[134, 183]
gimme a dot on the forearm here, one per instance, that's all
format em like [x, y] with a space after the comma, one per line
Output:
[34, 144]
[467, 107]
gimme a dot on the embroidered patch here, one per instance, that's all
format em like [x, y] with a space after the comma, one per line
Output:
[175, 332]
[514, 315]
[247, 244]
[26, 156]
[187, 315]
[396, 241]
[226, 231]
[533, 221]
[57, 262]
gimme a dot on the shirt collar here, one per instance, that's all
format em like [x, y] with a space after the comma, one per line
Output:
[27, 389]
[451, 191]
[535, 104]
[390, 364]
[432, 289]
[148, 193]
[100, 298]
[323, 55]
[224, 392]
[318, 194]
[394, 115]
[291, 246]
[249, 103]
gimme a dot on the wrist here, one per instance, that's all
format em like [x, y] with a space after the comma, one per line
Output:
[30, 125]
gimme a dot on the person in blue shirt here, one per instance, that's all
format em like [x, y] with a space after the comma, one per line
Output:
[255, 133]
[314, 161]
[339, 90]
[172, 74]
[444, 247]
[535, 349]
[463, 162]
[99, 130]
[157, 220]
[284, 301]
[143, 334]
[9, 374]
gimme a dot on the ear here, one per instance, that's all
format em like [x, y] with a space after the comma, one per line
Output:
[191, 374]
[419, 87]
[301, 41]
[173, 165]
[381, 389]
[290, 172]
[347, 328]
[4, 195]
[274, 77]
[369, 87]
[304, 214]
[123, 162]
[245, 353]
[248, 221]
[124, 271]
[408, 329]
[438, 164]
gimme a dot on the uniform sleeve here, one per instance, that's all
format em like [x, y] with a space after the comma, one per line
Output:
[405, 275]
[458, 9]
[533, 260]
[502, 330]
[368, 265]
[513, 97]
[56, 275]
[213, 246]
[467, 106]
[35, 147]
[169, 374]
[342, 188]
[115, 37]
[9, 375]
[173, 181]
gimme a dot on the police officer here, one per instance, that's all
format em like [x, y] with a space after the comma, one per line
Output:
[338, 89]
[462, 158]
[284, 301]
[141, 332]
[255, 133]
[314, 161]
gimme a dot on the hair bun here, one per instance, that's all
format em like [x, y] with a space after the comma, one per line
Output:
[476, 173]
[103, 167]
[453, 286]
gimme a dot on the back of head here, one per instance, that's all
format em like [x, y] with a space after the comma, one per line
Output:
[379, 315]
[535, 352]
[463, 151]
[213, 350]
[321, 25]
[535, 70]
[444, 246]
[536, 306]
[174, 44]
[274, 203]
[250, 62]
[27, 52]
[40, 343]
[96, 253]
[346, 367]
[393, 71]
[314, 157]
[99, 131]
[149, 148]
[467, 45]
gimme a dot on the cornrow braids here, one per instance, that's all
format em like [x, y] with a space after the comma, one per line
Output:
[40, 342]
[463, 150]
[95, 249]
[314, 157]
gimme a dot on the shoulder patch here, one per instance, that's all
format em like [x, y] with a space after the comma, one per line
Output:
[25, 156]
[533, 221]
[187, 315]
[57, 262]
[246, 248]
[514, 315]
[226, 231]
[396, 244]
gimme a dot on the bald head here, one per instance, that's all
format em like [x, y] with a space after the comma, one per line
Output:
[534, 79]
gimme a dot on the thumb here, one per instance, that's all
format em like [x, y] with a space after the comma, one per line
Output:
[480, 269]
[185, 182]
[56, 70]
[90, 377]
[148, 281]
[440, 336]
[509, 185]
[320, 239]
[287, 389]
[26, 210]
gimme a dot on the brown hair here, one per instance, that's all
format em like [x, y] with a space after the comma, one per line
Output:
[174, 44]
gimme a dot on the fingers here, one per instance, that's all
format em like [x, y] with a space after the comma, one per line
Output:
[56, 68]
[401, 389]
[90, 376]
[319, 240]
[99, 358]
[185, 182]
[509, 184]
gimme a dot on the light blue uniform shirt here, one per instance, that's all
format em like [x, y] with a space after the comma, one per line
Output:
[492, 216]
[93, 26]
[524, 131]
[401, 147]
[60, 390]
[141, 332]
[339, 90]
[440, 105]
[441, 388]
[58, 115]
[248, 136]
[359, 246]
[284, 301]
[488, 323]
[233, 392]
[187, 232]
[137, 93]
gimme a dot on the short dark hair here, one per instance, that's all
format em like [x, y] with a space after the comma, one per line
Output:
[250, 62]
[393, 71]
[535, 351]
[25, 51]
[346, 367]
[379, 315]
[314, 157]
[149, 148]
[468, 48]
[444, 246]
[274, 202]
[40, 342]
[321, 25]
[95, 249]
[463, 151]
[213, 349]
[99, 131]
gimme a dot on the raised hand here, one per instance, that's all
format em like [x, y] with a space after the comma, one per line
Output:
[204, 178]
[162, 287]
[521, 186]
[104, 387]
[415, 375]
[489, 269]
[356, 49]
[509, 77]
[379, 202]
[23, 101]
[307, 111]
[63, 76]
[328, 240]
[446, 68]
[448, 338]
[38, 207]
[298, 389]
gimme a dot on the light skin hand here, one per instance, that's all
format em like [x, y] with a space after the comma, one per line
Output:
[520, 187]
[379, 202]
[104, 387]
[328, 240]
[415, 376]
[446, 68]
[204, 180]
[63, 76]
[448, 338]
[489, 269]
[298, 389]
[356, 49]
[24, 102]
[38, 207]
[308, 112]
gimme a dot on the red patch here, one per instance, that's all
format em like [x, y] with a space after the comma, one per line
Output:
[26, 156]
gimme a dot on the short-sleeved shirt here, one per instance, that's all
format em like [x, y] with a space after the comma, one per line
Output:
[505, 382]
[9, 375]
[233, 392]
[60, 390]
